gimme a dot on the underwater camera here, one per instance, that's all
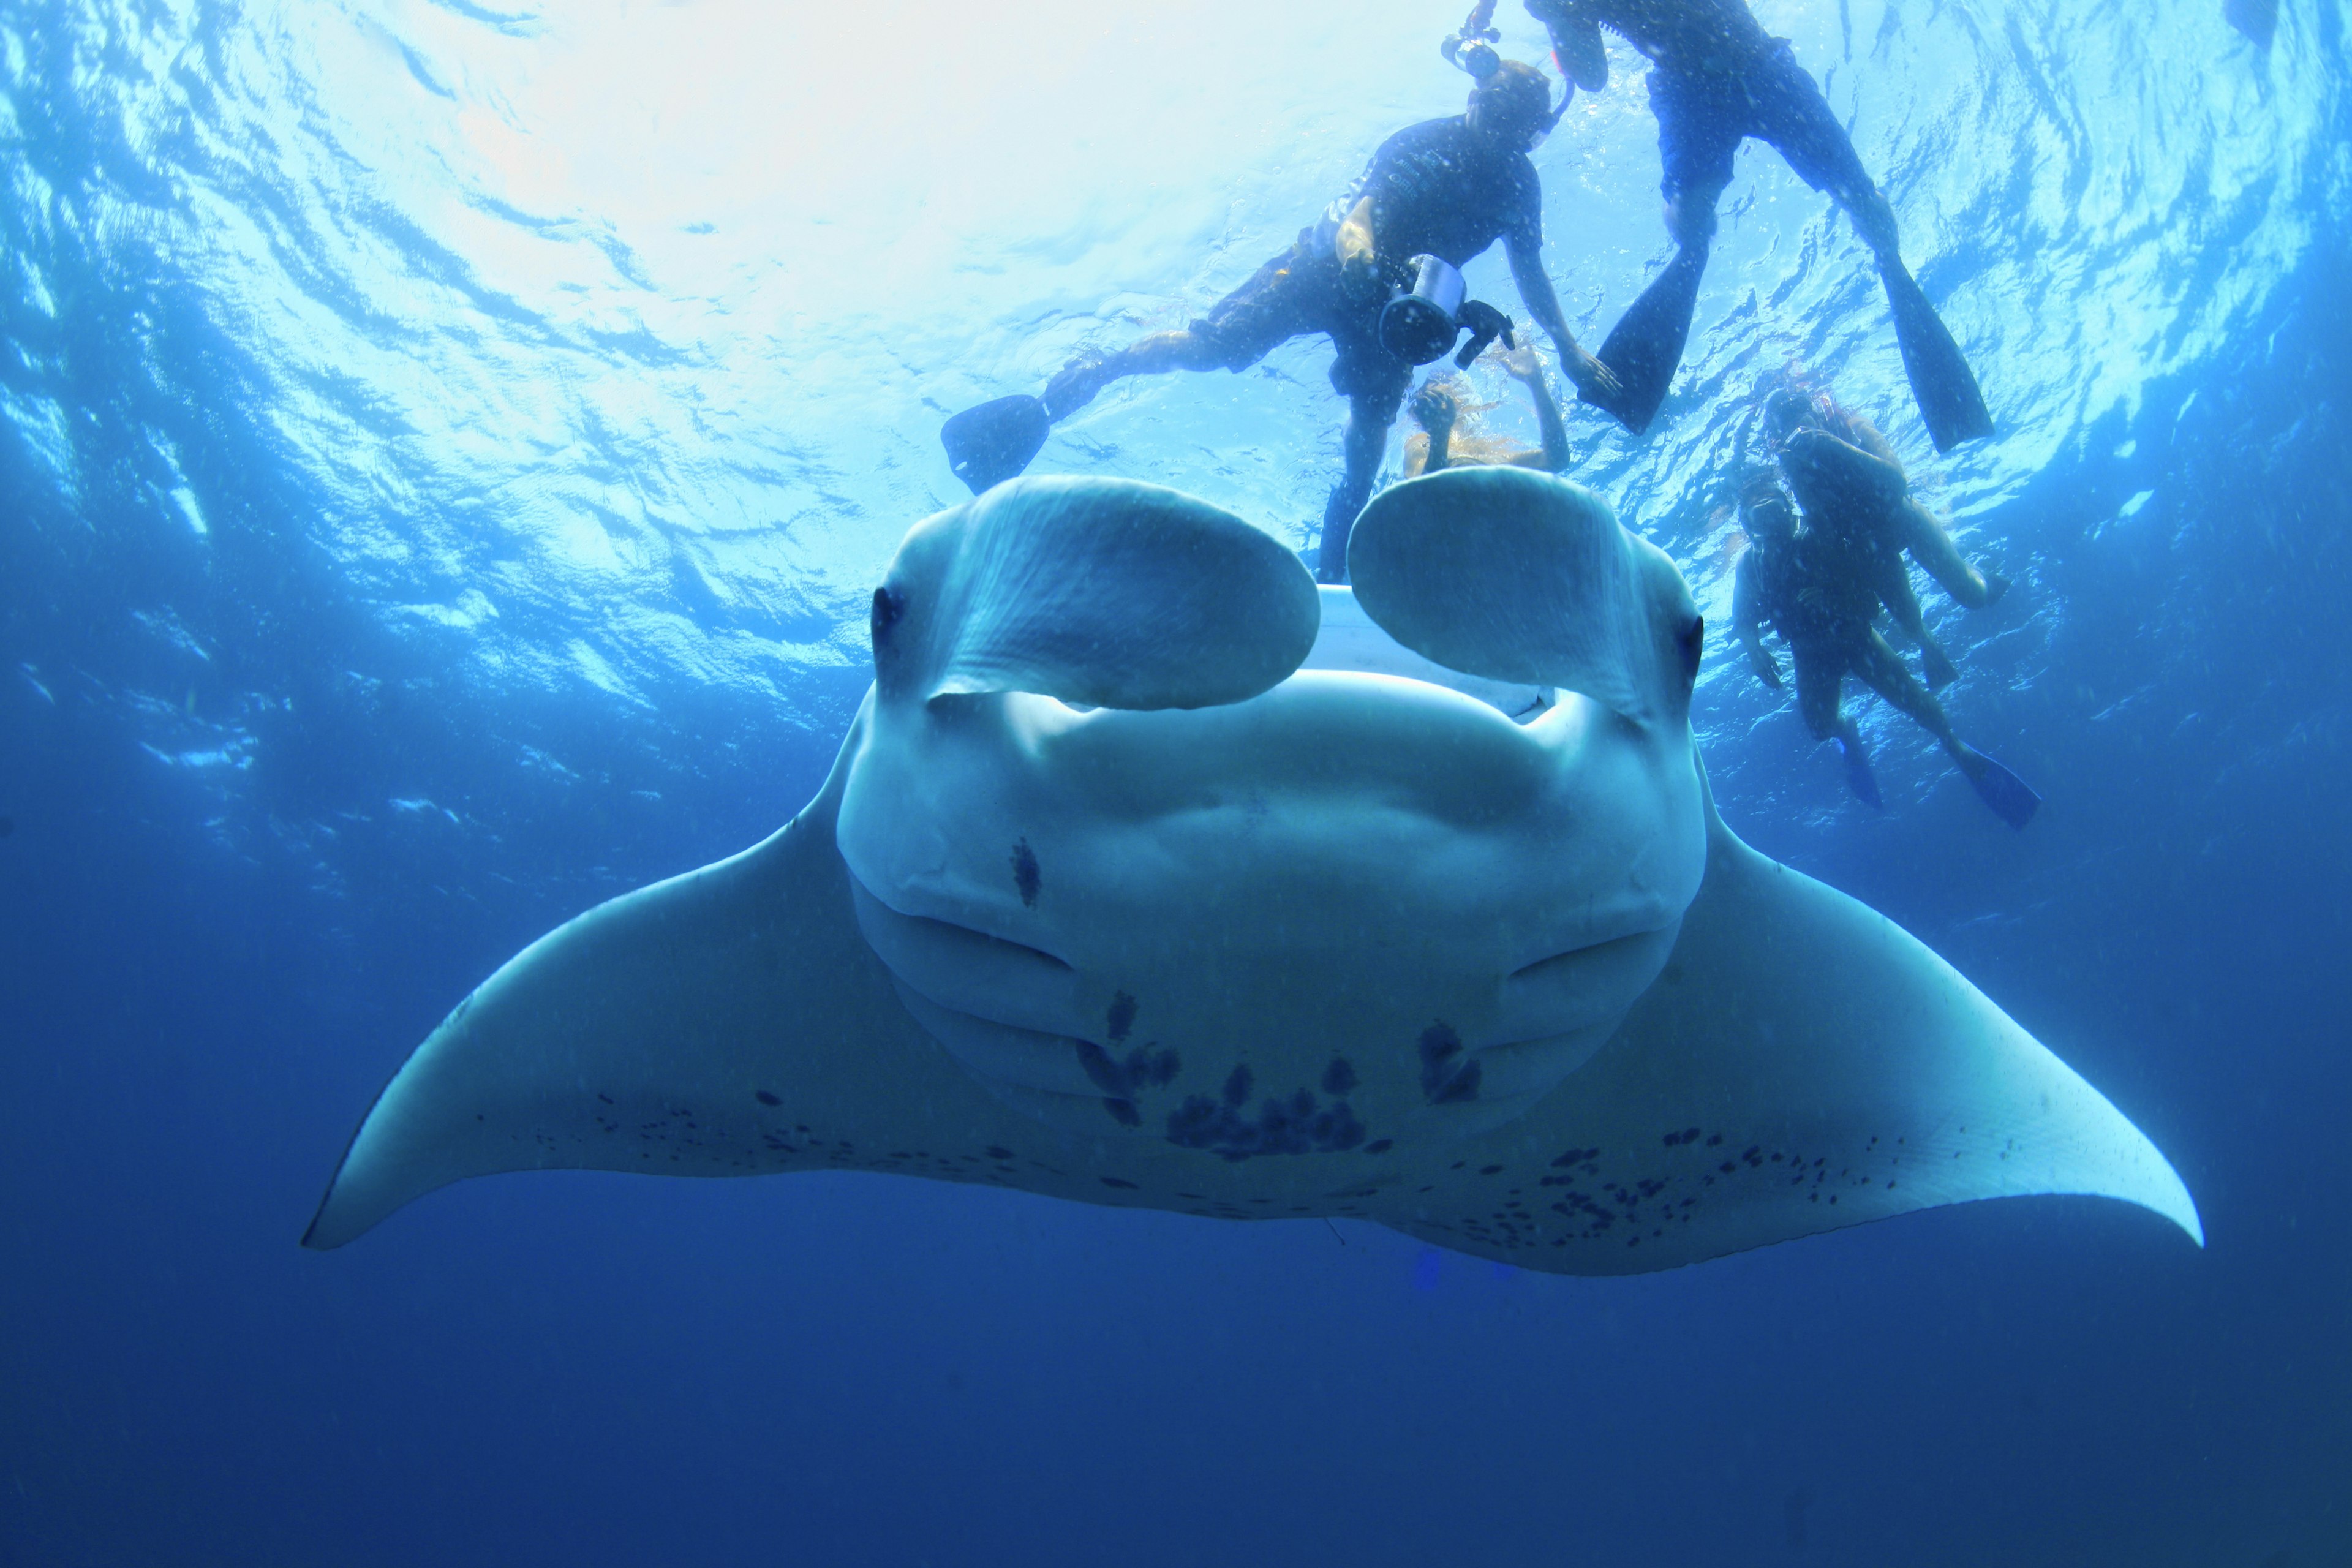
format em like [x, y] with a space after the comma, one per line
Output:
[1420, 323]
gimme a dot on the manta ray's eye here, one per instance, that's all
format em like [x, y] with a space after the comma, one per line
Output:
[888, 607]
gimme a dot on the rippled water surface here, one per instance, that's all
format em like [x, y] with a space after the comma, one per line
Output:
[447, 453]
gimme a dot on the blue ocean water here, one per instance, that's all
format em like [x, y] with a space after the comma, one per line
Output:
[449, 449]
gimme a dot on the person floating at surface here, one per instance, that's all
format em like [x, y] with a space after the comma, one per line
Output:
[1858, 498]
[1447, 188]
[1438, 409]
[1717, 78]
[1824, 602]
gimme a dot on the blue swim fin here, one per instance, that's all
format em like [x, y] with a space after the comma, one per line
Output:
[1858, 777]
[2009, 796]
[1647, 344]
[991, 443]
[1941, 381]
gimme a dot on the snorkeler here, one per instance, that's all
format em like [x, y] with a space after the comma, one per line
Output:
[1823, 600]
[1437, 407]
[1855, 495]
[1717, 78]
[1444, 189]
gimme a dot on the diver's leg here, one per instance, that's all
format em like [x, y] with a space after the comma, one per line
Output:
[2011, 797]
[1821, 702]
[1895, 591]
[1792, 115]
[1940, 558]
[1698, 131]
[1075, 384]
[1273, 306]
[1882, 670]
[1366, 441]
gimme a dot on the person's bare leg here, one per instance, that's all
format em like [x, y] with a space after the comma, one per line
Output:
[1882, 670]
[1075, 384]
[1942, 559]
[1902, 602]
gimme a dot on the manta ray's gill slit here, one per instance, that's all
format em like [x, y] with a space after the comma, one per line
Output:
[1024, 873]
[1444, 1080]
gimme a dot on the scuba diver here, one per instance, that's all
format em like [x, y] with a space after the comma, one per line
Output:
[1379, 275]
[1439, 409]
[1824, 598]
[1852, 488]
[1717, 78]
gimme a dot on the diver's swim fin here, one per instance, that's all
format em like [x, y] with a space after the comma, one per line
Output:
[1647, 344]
[1940, 378]
[989, 443]
[1858, 777]
[2012, 799]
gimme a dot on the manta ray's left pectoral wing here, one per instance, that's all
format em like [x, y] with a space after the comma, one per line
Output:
[727, 1022]
[1802, 1064]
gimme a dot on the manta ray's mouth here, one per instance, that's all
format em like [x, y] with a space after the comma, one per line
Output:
[1032, 1028]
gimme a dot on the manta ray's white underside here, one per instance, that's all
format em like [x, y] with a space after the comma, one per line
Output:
[1146, 918]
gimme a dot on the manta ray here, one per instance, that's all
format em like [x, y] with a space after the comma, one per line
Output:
[1151, 875]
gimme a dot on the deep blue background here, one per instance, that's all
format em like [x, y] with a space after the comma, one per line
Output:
[197, 1003]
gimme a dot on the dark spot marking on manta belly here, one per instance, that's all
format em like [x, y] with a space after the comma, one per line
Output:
[1115, 1181]
[1237, 1086]
[1144, 1067]
[1024, 873]
[1444, 1080]
[1294, 1125]
[1687, 1135]
[764, 1098]
[1122, 1011]
[1380, 1145]
[1339, 1077]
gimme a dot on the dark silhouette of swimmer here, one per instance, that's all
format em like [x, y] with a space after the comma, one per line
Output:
[1447, 188]
[1716, 78]
[1853, 492]
[1824, 601]
[1438, 408]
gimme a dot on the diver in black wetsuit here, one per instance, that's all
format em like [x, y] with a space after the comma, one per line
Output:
[1717, 78]
[1851, 488]
[1823, 595]
[1447, 188]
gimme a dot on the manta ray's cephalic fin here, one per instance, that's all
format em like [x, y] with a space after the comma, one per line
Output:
[1802, 1064]
[1109, 592]
[728, 1022]
[1521, 577]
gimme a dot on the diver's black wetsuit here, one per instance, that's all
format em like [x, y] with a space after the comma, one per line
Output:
[1437, 188]
[1718, 77]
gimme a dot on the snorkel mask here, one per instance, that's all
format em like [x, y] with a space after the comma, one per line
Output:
[1474, 54]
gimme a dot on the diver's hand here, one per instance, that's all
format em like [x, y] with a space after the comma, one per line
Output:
[1433, 407]
[1521, 365]
[1596, 380]
[1768, 670]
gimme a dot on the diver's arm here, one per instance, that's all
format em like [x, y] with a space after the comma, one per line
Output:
[1576, 43]
[1525, 368]
[1547, 419]
[1747, 617]
[1589, 374]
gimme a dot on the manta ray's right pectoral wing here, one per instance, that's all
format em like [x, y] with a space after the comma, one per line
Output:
[728, 1022]
[1802, 1064]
